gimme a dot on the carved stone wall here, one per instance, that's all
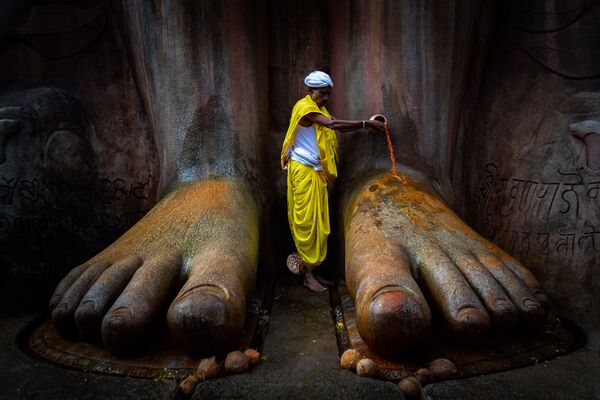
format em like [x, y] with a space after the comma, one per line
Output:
[79, 164]
[531, 181]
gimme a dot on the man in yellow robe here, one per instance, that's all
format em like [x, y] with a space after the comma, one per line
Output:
[310, 156]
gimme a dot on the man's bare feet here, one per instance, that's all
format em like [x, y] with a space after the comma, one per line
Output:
[322, 280]
[200, 240]
[396, 231]
[312, 283]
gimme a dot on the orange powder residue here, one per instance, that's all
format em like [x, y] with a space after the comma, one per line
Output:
[388, 138]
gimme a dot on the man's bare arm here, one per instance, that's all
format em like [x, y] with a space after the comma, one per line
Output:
[344, 125]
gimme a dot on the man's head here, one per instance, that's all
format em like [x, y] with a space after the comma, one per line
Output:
[319, 87]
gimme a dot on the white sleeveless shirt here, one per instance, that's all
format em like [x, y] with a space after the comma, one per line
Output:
[305, 149]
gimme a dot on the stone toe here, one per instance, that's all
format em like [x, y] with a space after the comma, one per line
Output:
[206, 320]
[396, 324]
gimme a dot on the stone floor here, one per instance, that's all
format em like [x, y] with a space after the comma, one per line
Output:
[300, 361]
[575, 376]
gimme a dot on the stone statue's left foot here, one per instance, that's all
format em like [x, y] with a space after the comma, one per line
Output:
[397, 230]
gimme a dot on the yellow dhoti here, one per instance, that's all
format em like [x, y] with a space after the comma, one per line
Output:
[308, 212]
[307, 197]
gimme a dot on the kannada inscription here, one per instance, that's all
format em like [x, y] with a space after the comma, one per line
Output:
[557, 217]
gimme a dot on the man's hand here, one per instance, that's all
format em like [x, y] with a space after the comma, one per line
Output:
[375, 125]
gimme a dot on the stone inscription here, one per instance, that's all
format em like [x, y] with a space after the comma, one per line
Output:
[47, 227]
[34, 205]
[74, 224]
[529, 242]
[29, 194]
[556, 217]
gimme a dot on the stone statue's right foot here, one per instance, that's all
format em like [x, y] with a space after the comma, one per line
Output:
[208, 314]
[204, 234]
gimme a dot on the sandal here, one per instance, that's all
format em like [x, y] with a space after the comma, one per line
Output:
[295, 264]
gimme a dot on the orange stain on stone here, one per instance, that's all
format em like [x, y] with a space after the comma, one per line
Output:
[420, 206]
[191, 217]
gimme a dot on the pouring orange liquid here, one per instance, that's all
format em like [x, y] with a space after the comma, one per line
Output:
[388, 139]
[390, 146]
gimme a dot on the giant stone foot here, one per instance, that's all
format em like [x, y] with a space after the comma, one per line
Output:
[402, 240]
[191, 261]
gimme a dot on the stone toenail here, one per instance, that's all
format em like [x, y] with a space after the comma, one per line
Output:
[62, 307]
[470, 315]
[501, 305]
[530, 305]
[121, 313]
[88, 305]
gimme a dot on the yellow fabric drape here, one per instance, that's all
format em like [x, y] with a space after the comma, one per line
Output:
[308, 212]
[326, 139]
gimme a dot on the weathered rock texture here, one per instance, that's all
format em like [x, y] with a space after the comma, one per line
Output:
[409, 61]
[201, 72]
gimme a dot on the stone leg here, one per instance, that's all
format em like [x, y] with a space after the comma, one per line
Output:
[201, 239]
[400, 236]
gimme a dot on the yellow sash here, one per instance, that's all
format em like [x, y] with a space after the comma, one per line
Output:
[326, 139]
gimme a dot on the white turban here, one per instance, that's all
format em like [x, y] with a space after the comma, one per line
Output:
[318, 79]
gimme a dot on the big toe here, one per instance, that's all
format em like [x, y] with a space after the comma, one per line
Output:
[206, 319]
[396, 323]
